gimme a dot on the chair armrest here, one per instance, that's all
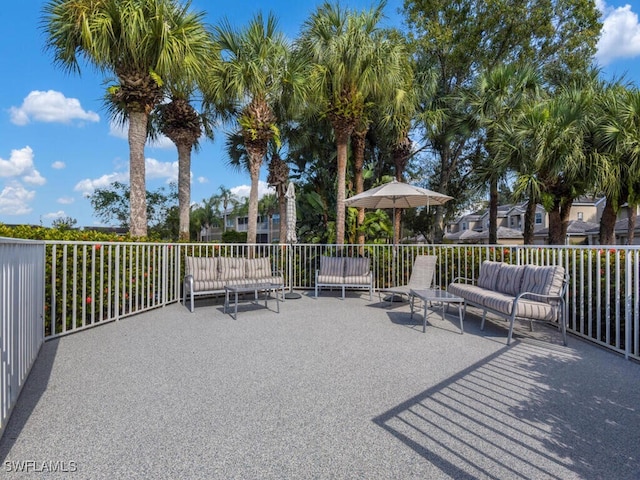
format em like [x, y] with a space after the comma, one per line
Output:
[188, 281]
[535, 296]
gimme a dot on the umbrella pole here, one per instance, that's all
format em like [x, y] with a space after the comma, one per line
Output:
[291, 295]
[393, 297]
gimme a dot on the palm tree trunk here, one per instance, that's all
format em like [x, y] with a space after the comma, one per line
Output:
[358, 145]
[529, 222]
[282, 208]
[493, 211]
[342, 140]
[631, 224]
[565, 212]
[184, 189]
[554, 225]
[138, 189]
[400, 153]
[607, 224]
[254, 171]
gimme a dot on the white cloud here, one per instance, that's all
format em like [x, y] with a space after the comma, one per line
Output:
[54, 215]
[66, 200]
[620, 36]
[243, 190]
[203, 180]
[14, 199]
[88, 185]
[121, 131]
[154, 170]
[51, 107]
[20, 164]
[58, 165]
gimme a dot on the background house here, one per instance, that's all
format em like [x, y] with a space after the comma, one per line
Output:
[584, 220]
[268, 229]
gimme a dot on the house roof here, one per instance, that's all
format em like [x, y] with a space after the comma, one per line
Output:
[588, 200]
[575, 227]
[503, 233]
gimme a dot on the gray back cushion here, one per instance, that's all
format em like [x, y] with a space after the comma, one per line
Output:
[489, 274]
[510, 279]
[543, 280]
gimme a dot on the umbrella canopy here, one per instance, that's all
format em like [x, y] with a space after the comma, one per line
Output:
[291, 214]
[397, 195]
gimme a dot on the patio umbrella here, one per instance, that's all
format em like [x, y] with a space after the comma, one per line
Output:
[291, 214]
[397, 195]
[291, 238]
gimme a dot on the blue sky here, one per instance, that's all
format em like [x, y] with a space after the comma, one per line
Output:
[57, 144]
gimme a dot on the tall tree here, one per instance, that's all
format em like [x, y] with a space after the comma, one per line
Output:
[556, 133]
[458, 39]
[183, 125]
[345, 70]
[617, 141]
[497, 97]
[393, 83]
[140, 42]
[253, 77]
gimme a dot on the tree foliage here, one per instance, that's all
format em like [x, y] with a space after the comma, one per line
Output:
[111, 206]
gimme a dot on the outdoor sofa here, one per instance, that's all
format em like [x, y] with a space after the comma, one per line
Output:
[209, 275]
[529, 292]
[344, 272]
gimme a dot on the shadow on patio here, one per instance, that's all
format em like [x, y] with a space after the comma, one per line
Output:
[300, 394]
[529, 411]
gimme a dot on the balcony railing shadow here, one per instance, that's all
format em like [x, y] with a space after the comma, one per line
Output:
[529, 411]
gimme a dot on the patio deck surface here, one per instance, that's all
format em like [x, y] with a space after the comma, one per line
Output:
[328, 388]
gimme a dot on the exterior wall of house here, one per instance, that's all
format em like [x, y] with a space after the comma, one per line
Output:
[586, 213]
[265, 233]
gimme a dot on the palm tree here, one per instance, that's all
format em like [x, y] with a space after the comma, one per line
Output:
[497, 96]
[514, 147]
[226, 199]
[184, 126]
[268, 206]
[345, 70]
[252, 78]
[397, 111]
[561, 167]
[204, 215]
[140, 43]
[393, 81]
[617, 140]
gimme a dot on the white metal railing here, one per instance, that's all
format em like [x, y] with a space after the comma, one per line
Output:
[77, 285]
[89, 283]
[22, 265]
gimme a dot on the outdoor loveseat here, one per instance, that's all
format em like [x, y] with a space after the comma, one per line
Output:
[529, 292]
[344, 272]
[209, 275]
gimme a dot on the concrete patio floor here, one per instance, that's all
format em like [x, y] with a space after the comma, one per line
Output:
[327, 388]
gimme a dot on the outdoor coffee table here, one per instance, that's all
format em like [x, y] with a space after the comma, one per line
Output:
[434, 295]
[256, 288]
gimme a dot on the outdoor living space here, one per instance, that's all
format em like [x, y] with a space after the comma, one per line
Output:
[327, 388]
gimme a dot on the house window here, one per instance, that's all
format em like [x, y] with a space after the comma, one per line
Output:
[464, 225]
[580, 215]
[538, 218]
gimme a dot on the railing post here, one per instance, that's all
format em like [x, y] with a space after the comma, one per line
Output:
[628, 283]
